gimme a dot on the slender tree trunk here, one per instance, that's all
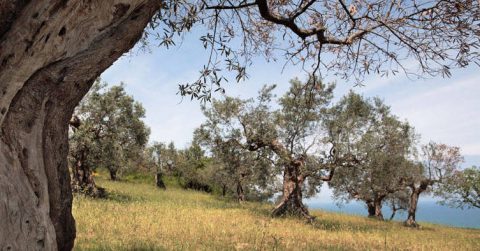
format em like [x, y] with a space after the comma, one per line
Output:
[113, 174]
[224, 190]
[240, 193]
[394, 211]
[292, 199]
[50, 54]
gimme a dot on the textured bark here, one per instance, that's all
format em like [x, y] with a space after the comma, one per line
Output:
[414, 196]
[81, 174]
[375, 208]
[82, 179]
[292, 199]
[240, 192]
[411, 221]
[50, 54]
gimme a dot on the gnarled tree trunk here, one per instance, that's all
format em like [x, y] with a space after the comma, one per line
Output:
[375, 208]
[240, 192]
[50, 54]
[292, 199]
[81, 174]
[82, 178]
[412, 209]
[414, 196]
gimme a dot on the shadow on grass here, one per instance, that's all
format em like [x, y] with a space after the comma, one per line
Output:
[333, 225]
[121, 197]
[144, 246]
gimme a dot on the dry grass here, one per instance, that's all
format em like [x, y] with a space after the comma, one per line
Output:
[137, 216]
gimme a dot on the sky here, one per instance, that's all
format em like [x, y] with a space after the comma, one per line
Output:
[444, 110]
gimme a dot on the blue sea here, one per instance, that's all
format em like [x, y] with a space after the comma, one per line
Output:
[428, 211]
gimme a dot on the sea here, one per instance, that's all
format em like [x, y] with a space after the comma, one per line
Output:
[427, 211]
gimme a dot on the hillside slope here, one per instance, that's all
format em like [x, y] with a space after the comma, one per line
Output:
[137, 216]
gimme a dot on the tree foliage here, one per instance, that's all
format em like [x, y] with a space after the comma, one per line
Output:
[349, 39]
[382, 146]
[462, 189]
[109, 131]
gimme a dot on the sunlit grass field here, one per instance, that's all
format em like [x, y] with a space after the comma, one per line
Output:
[137, 216]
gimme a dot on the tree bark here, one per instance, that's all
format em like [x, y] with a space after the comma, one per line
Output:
[82, 178]
[113, 174]
[224, 190]
[292, 199]
[50, 54]
[81, 174]
[414, 196]
[411, 221]
[375, 208]
[159, 181]
[240, 193]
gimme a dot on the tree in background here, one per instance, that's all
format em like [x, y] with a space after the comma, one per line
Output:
[236, 170]
[193, 168]
[291, 134]
[157, 153]
[438, 164]
[110, 134]
[462, 189]
[366, 129]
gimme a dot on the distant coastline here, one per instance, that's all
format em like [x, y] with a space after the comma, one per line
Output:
[428, 211]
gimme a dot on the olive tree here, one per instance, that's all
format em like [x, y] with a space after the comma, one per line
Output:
[462, 189]
[51, 52]
[108, 132]
[381, 144]
[437, 165]
[236, 170]
[292, 133]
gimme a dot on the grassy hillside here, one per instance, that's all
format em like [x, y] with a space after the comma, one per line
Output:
[137, 216]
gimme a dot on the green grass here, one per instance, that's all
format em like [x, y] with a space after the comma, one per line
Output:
[137, 216]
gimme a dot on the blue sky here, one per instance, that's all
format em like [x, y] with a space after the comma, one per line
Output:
[442, 110]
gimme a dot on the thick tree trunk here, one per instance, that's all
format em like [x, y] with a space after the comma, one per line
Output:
[375, 209]
[292, 199]
[412, 209]
[81, 175]
[50, 54]
[82, 178]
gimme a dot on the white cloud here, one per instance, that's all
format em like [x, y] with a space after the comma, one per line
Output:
[448, 113]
